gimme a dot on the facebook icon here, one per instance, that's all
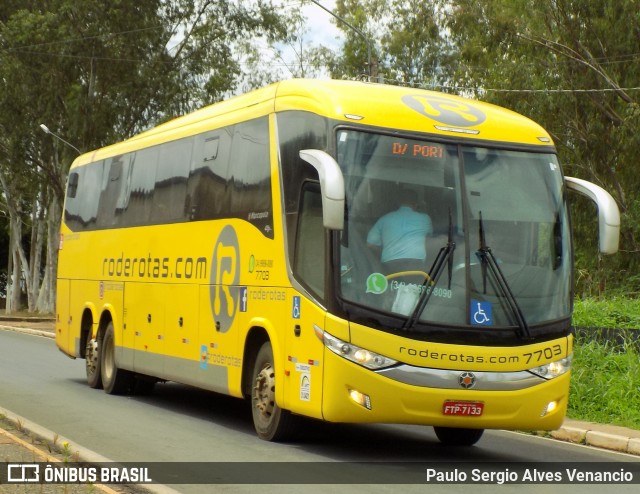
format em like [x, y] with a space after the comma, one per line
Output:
[243, 299]
[295, 312]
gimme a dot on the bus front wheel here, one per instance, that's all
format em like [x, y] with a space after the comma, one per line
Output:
[451, 436]
[114, 380]
[271, 422]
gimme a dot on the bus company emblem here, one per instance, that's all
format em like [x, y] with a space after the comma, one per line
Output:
[225, 277]
[448, 111]
[467, 380]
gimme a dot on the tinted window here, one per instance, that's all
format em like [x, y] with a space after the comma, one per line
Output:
[112, 183]
[298, 130]
[142, 183]
[170, 189]
[250, 176]
[207, 196]
[218, 174]
[82, 210]
[310, 247]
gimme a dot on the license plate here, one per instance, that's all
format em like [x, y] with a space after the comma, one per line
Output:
[463, 408]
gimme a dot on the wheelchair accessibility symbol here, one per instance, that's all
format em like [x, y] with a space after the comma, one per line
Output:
[481, 314]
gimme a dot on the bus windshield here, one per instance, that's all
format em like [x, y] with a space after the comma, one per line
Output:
[450, 235]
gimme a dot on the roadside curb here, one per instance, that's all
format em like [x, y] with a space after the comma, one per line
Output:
[608, 437]
[79, 453]
[42, 456]
[35, 332]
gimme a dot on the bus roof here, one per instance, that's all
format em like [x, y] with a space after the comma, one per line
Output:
[417, 110]
[377, 105]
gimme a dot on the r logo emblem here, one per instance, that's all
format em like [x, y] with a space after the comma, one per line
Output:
[445, 110]
[225, 277]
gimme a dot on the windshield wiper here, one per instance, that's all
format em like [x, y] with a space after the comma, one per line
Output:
[488, 260]
[445, 254]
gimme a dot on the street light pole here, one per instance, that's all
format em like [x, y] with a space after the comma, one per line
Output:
[356, 30]
[46, 130]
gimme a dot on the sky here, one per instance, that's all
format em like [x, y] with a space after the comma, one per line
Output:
[320, 28]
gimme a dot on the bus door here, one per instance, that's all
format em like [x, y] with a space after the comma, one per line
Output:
[304, 357]
[304, 348]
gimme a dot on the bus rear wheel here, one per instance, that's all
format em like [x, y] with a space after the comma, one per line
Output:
[93, 352]
[114, 380]
[271, 422]
[451, 436]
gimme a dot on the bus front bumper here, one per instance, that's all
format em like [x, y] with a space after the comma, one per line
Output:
[354, 394]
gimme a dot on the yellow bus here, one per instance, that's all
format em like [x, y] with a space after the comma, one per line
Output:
[241, 249]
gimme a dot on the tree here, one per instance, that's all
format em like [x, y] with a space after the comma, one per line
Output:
[565, 64]
[362, 29]
[96, 73]
[413, 44]
[399, 41]
[295, 56]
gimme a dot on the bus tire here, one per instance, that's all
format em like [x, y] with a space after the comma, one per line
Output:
[271, 422]
[452, 436]
[114, 381]
[93, 357]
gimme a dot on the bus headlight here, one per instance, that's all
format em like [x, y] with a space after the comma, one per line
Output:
[360, 356]
[553, 369]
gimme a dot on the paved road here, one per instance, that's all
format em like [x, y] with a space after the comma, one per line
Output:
[183, 424]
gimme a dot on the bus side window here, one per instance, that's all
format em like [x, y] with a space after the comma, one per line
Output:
[112, 183]
[207, 184]
[170, 190]
[90, 188]
[249, 177]
[310, 244]
[297, 130]
[72, 186]
[142, 183]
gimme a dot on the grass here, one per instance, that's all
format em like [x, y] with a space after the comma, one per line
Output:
[605, 379]
[604, 384]
[616, 312]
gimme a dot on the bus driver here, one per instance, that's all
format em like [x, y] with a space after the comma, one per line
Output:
[401, 236]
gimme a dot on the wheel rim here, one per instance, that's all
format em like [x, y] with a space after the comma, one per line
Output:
[264, 394]
[92, 357]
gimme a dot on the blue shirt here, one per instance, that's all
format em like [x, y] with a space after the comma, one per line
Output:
[401, 234]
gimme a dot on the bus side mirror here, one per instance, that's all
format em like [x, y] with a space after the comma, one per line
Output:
[608, 213]
[331, 187]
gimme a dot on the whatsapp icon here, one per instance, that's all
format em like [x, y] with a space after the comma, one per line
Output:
[377, 283]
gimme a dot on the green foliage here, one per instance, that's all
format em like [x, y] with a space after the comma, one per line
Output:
[361, 33]
[520, 61]
[605, 377]
[614, 312]
[97, 72]
[402, 38]
[604, 385]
